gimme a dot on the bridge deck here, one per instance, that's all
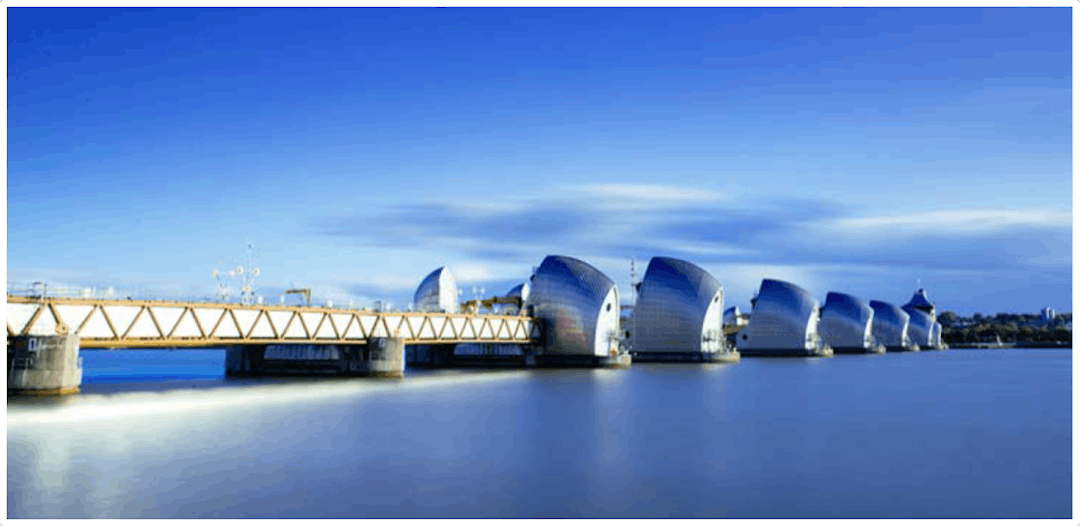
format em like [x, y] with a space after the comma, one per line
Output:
[149, 323]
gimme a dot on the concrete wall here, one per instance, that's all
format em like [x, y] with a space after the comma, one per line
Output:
[44, 364]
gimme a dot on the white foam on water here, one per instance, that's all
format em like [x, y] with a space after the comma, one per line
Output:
[104, 455]
[179, 403]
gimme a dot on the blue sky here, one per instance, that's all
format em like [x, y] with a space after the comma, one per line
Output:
[851, 150]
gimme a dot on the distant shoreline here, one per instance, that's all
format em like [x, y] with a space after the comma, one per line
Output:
[1006, 330]
[1012, 345]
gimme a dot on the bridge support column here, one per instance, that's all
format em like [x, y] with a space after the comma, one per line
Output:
[381, 357]
[44, 365]
[243, 360]
[427, 355]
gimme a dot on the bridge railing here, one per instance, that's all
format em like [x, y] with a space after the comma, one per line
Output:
[105, 323]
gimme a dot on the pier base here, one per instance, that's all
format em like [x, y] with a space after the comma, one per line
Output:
[898, 348]
[44, 365]
[505, 356]
[383, 357]
[803, 353]
[573, 360]
[676, 357]
[876, 349]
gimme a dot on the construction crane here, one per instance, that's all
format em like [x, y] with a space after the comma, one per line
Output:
[305, 292]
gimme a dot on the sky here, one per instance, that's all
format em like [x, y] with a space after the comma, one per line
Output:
[866, 151]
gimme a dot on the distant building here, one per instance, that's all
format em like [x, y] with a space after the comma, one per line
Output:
[678, 309]
[920, 301]
[577, 305]
[890, 326]
[437, 293]
[522, 292]
[920, 327]
[783, 321]
[732, 316]
[1047, 315]
[845, 323]
[923, 320]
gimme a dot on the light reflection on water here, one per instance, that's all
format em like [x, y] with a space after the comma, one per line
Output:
[904, 435]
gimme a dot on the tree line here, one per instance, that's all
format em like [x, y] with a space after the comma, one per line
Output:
[1009, 328]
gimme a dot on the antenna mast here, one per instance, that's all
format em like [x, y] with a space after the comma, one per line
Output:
[247, 277]
[633, 303]
[247, 293]
[222, 286]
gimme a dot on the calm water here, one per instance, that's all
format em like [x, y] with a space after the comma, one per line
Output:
[961, 433]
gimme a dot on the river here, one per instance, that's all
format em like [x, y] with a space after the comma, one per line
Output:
[161, 434]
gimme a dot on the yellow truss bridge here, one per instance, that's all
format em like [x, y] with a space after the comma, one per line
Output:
[105, 324]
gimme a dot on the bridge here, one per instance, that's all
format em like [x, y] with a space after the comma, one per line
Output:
[113, 324]
[570, 321]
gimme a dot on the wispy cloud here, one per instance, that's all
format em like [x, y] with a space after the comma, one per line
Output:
[761, 231]
[469, 272]
[958, 221]
[816, 243]
[418, 224]
[657, 194]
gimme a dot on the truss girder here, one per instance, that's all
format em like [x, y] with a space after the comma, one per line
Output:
[147, 323]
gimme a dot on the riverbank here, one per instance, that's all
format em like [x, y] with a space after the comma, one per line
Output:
[1012, 345]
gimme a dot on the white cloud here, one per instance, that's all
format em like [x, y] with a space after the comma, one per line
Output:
[384, 280]
[468, 272]
[960, 221]
[706, 249]
[639, 196]
[485, 208]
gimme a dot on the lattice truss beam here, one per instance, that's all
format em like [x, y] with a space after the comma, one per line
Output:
[136, 323]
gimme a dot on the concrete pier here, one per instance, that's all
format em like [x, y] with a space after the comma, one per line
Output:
[44, 365]
[898, 348]
[821, 351]
[676, 357]
[382, 357]
[874, 349]
[578, 360]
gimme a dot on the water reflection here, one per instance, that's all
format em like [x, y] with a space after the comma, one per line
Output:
[911, 435]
